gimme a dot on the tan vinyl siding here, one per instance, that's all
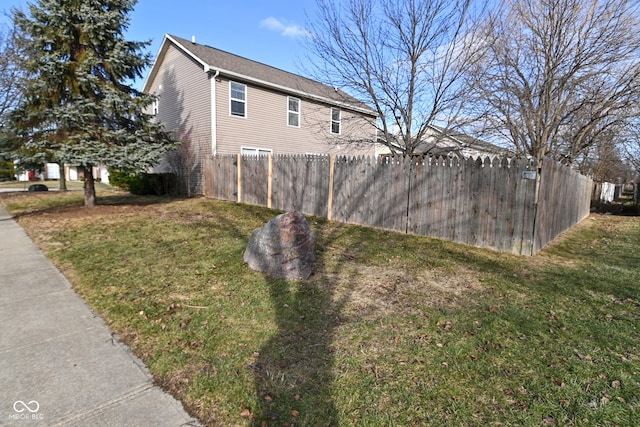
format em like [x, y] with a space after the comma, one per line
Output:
[265, 125]
[185, 109]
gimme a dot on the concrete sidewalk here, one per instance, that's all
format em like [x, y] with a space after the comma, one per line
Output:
[59, 363]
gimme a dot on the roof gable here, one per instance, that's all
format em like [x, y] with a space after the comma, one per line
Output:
[257, 73]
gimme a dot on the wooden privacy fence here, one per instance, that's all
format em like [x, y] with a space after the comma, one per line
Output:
[510, 205]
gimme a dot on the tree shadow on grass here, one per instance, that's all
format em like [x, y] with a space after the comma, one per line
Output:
[294, 371]
[120, 200]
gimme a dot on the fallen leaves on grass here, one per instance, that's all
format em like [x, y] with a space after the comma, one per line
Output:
[246, 414]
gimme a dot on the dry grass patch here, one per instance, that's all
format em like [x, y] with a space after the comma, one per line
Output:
[371, 292]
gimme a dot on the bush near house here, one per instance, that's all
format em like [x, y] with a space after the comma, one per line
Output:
[121, 179]
[154, 184]
[145, 184]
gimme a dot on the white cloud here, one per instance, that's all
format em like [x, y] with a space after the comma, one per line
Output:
[283, 27]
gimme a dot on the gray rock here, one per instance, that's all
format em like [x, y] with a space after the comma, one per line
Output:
[283, 248]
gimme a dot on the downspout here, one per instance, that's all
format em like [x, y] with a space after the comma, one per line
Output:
[214, 124]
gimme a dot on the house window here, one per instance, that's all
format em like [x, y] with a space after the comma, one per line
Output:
[335, 120]
[238, 95]
[156, 105]
[293, 110]
[252, 151]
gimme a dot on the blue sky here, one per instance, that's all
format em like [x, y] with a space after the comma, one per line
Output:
[267, 31]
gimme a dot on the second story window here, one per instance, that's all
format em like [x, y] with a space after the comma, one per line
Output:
[335, 120]
[294, 112]
[238, 95]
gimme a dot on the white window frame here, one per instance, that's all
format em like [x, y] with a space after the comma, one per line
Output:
[296, 113]
[155, 106]
[232, 99]
[255, 151]
[338, 122]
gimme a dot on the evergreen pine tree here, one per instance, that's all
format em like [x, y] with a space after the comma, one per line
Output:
[80, 106]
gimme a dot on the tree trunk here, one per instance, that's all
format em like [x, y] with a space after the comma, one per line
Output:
[89, 187]
[63, 178]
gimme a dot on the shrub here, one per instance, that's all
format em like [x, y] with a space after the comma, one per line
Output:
[154, 184]
[145, 184]
[121, 179]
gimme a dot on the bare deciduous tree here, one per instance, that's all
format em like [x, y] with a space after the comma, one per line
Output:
[630, 141]
[404, 58]
[604, 161]
[557, 75]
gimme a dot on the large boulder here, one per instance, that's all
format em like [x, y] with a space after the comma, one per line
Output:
[283, 248]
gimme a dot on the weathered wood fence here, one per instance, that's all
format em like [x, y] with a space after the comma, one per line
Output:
[503, 204]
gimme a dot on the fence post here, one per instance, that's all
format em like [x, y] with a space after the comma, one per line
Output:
[332, 160]
[239, 178]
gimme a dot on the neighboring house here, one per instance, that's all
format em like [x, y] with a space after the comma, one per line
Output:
[51, 171]
[216, 102]
[440, 142]
[76, 173]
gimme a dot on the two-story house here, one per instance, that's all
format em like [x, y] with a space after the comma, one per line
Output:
[216, 102]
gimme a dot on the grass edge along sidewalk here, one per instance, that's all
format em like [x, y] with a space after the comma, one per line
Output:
[390, 330]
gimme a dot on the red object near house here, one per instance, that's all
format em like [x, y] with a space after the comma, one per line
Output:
[32, 176]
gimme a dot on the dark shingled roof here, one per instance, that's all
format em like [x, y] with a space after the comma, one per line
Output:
[258, 73]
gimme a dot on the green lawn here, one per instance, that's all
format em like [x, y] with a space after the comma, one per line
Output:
[390, 329]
